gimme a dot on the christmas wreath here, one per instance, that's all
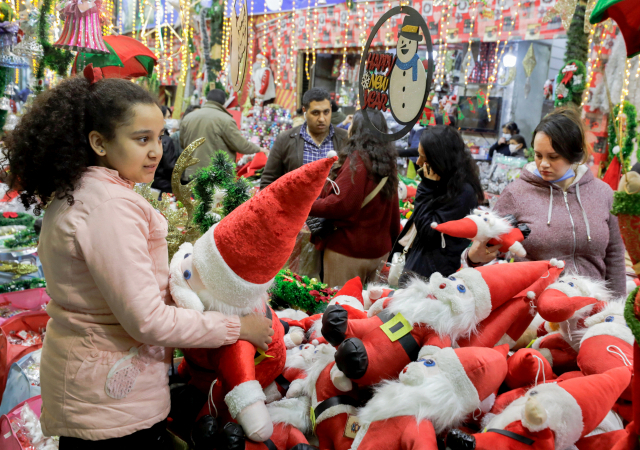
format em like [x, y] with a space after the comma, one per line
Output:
[632, 313]
[629, 136]
[23, 285]
[291, 290]
[570, 82]
[220, 175]
[14, 218]
[23, 239]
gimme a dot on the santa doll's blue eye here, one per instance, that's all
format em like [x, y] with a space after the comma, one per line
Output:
[462, 288]
[452, 278]
[486, 220]
[187, 274]
[429, 362]
[571, 284]
[609, 319]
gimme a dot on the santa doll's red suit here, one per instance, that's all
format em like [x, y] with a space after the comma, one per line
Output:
[229, 270]
[551, 415]
[487, 226]
[432, 395]
[432, 314]
[607, 343]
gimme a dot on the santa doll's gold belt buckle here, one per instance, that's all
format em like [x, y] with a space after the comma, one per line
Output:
[396, 327]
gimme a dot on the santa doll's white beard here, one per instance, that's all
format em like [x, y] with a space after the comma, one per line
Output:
[212, 303]
[435, 399]
[420, 307]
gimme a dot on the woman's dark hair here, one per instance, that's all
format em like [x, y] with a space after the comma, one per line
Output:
[378, 157]
[565, 129]
[520, 140]
[512, 127]
[448, 156]
[49, 149]
[190, 109]
[164, 110]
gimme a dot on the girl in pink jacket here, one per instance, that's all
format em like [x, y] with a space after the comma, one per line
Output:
[78, 151]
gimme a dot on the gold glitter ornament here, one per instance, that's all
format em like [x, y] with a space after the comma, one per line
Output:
[18, 268]
[566, 8]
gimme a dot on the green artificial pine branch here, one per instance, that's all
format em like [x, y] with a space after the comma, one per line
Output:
[624, 203]
[630, 135]
[291, 290]
[53, 58]
[23, 239]
[631, 313]
[237, 194]
[577, 39]
[23, 285]
[21, 219]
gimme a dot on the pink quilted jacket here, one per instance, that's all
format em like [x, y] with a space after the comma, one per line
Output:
[108, 346]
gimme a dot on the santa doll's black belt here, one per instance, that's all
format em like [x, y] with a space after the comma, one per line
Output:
[510, 434]
[335, 401]
[407, 341]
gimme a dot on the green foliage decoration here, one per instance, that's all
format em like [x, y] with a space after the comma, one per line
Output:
[630, 134]
[624, 203]
[19, 219]
[572, 90]
[291, 290]
[631, 314]
[52, 58]
[23, 239]
[23, 285]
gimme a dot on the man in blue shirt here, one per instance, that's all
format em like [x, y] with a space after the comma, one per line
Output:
[309, 142]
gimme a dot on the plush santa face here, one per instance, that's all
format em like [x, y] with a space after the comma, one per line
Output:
[347, 300]
[575, 285]
[406, 48]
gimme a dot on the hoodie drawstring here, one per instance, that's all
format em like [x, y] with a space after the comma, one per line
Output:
[584, 213]
[550, 204]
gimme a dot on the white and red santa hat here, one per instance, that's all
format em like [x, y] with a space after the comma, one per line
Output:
[350, 295]
[480, 225]
[575, 407]
[571, 293]
[527, 367]
[494, 285]
[230, 267]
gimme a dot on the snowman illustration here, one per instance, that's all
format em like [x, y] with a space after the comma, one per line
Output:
[408, 81]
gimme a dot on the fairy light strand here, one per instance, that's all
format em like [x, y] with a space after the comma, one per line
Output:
[252, 37]
[590, 66]
[469, 51]
[595, 64]
[496, 63]
[278, 47]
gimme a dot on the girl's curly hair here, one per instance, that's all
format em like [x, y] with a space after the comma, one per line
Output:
[49, 149]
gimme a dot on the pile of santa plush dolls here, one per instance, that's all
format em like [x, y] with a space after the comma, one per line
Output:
[429, 366]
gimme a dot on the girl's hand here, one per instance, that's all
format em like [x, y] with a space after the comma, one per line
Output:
[479, 253]
[257, 330]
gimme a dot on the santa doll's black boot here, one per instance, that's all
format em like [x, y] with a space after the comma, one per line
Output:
[459, 440]
[352, 359]
[334, 324]
[204, 433]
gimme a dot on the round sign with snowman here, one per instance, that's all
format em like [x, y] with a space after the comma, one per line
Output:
[397, 83]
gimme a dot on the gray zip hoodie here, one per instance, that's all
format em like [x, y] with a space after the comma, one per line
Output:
[575, 226]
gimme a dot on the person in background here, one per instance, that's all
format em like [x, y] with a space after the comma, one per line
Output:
[162, 177]
[414, 137]
[450, 189]
[166, 112]
[502, 146]
[364, 230]
[176, 136]
[306, 143]
[566, 207]
[517, 146]
[214, 123]
[338, 118]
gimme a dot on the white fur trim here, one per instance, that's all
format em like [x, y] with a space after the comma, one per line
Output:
[518, 250]
[359, 436]
[294, 337]
[434, 225]
[347, 300]
[611, 422]
[583, 286]
[296, 388]
[427, 350]
[324, 356]
[494, 227]
[376, 308]
[564, 416]
[315, 330]
[181, 293]
[531, 295]
[480, 289]
[292, 314]
[609, 329]
[614, 308]
[546, 353]
[448, 362]
[334, 411]
[226, 291]
[505, 339]
[243, 395]
[272, 393]
[292, 411]
[487, 403]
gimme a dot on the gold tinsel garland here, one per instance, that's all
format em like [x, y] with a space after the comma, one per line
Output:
[18, 268]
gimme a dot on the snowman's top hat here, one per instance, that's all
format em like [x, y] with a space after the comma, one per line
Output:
[411, 28]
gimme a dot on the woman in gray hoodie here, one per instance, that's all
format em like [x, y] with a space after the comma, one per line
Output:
[564, 205]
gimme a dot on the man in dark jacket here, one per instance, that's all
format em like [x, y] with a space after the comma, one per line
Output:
[309, 142]
[162, 178]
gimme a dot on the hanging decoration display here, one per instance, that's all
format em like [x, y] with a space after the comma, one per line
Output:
[570, 82]
[52, 58]
[529, 63]
[82, 26]
[238, 49]
[627, 129]
[397, 83]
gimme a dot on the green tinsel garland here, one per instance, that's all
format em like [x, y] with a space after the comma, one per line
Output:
[624, 203]
[23, 239]
[631, 313]
[23, 285]
[22, 219]
[291, 290]
[220, 175]
[53, 58]
[627, 147]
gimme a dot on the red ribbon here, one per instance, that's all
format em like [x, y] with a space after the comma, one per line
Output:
[10, 215]
[93, 74]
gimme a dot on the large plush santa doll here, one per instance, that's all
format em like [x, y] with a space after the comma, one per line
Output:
[436, 313]
[432, 395]
[229, 270]
[264, 89]
[550, 416]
